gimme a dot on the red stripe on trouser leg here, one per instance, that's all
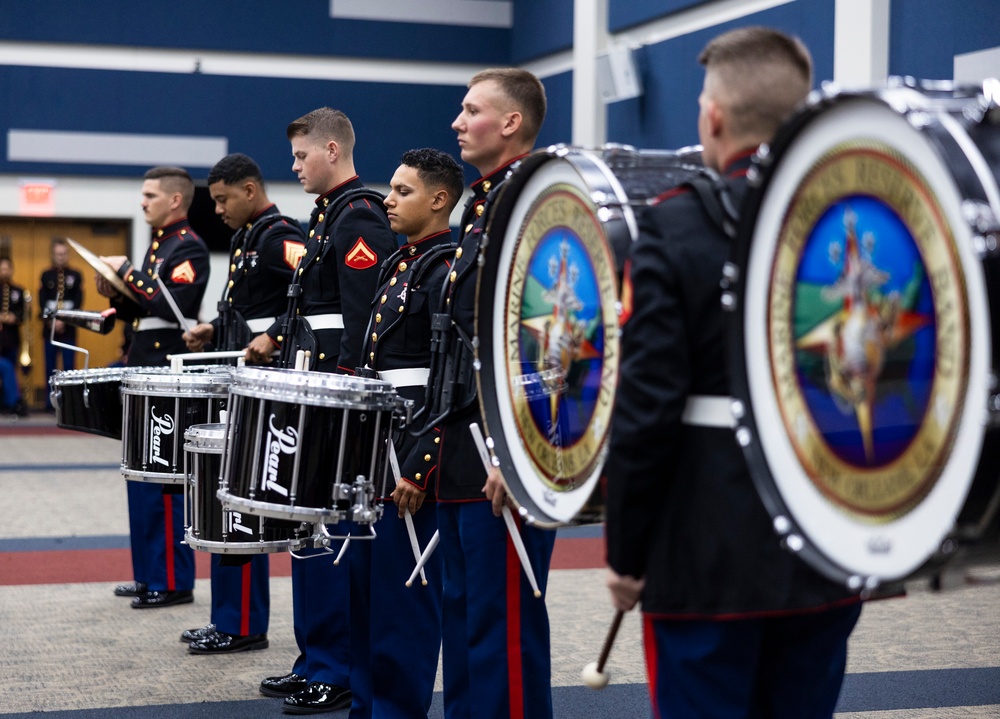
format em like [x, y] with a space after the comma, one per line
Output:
[245, 600]
[649, 644]
[168, 534]
[514, 669]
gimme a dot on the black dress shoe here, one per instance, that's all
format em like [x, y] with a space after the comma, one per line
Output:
[222, 643]
[154, 599]
[317, 698]
[283, 686]
[196, 635]
[131, 590]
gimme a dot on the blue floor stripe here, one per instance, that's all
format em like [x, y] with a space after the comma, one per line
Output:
[49, 544]
[60, 467]
[882, 691]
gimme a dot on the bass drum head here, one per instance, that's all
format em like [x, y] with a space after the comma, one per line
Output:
[861, 350]
[547, 327]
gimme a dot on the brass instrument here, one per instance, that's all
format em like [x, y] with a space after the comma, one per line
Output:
[25, 357]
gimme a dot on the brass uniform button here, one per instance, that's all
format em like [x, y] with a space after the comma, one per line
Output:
[230, 300]
[453, 276]
[479, 210]
[280, 338]
[159, 233]
[135, 324]
[402, 267]
[378, 317]
[139, 283]
[401, 308]
[487, 185]
[468, 228]
[230, 283]
[312, 233]
[392, 282]
[321, 217]
[149, 272]
[418, 476]
[374, 337]
[237, 253]
[322, 355]
[384, 298]
[152, 258]
[326, 201]
[427, 458]
[156, 245]
[149, 290]
[232, 268]
[130, 278]
[156, 345]
[437, 440]
[413, 251]
[371, 355]
[458, 253]
[301, 270]
[184, 232]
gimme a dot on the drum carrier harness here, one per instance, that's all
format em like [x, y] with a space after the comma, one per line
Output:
[234, 332]
[297, 332]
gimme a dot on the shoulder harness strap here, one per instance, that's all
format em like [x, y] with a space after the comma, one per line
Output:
[713, 192]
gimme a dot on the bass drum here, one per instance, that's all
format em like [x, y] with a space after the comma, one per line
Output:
[864, 348]
[547, 347]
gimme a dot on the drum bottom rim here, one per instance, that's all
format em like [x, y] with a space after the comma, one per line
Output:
[244, 548]
[282, 511]
[152, 477]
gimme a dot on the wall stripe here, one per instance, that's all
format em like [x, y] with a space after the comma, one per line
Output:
[112, 148]
[472, 13]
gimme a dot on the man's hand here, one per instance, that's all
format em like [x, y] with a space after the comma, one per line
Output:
[115, 262]
[8, 318]
[625, 590]
[198, 336]
[259, 350]
[495, 491]
[406, 496]
[105, 288]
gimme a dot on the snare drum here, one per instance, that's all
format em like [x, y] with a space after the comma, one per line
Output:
[210, 528]
[863, 352]
[159, 407]
[89, 400]
[307, 446]
[547, 317]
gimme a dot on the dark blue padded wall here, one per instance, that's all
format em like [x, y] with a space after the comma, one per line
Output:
[627, 13]
[925, 35]
[251, 112]
[665, 116]
[541, 28]
[298, 27]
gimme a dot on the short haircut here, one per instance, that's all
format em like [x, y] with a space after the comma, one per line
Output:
[524, 90]
[234, 169]
[437, 169]
[325, 124]
[174, 179]
[56, 241]
[759, 74]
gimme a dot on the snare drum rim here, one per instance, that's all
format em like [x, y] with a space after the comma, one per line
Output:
[207, 438]
[316, 389]
[92, 375]
[787, 525]
[209, 384]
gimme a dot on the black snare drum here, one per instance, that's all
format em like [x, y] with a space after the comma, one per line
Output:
[307, 446]
[547, 317]
[159, 407]
[867, 321]
[89, 400]
[210, 528]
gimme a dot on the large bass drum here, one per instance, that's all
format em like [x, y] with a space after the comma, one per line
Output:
[864, 348]
[547, 316]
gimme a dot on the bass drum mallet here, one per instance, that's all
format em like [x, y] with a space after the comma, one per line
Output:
[593, 674]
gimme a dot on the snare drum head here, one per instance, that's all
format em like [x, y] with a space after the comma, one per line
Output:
[547, 317]
[320, 389]
[861, 345]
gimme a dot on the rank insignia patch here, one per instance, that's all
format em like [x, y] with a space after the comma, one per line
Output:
[294, 251]
[184, 272]
[361, 256]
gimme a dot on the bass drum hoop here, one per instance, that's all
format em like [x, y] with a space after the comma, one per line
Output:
[539, 505]
[823, 544]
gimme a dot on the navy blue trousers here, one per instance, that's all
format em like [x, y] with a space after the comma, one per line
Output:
[241, 596]
[788, 667]
[396, 630]
[495, 633]
[321, 615]
[159, 557]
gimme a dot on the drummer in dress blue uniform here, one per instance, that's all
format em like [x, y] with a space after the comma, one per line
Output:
[11, 316]
[162, 564]
[495, 633]
[61, 289]
[733, 624]
[349, 238]
[263, 254]
[405, 623]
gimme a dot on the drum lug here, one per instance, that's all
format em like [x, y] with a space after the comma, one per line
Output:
[993, 408]
[730, 278]
[980, 217]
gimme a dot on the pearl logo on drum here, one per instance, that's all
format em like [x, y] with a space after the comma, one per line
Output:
[158, 427]
[285, 441]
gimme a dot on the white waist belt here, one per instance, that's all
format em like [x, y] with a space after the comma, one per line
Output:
[325, 322]
[706, 411]
[260, 324]
[155, 323]
[415, 377]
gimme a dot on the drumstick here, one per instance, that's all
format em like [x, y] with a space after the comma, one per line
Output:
[185, 324]
[407, 517]
[342, 552]
[515, 536]
[593, 674]
[428, 550]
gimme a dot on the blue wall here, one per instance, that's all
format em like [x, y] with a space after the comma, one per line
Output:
[925, 35]
[666, 115]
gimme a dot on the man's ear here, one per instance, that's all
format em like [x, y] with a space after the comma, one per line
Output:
[332, 151]
[716, 117]
[440, 200]
[250, 190]
[512, 123]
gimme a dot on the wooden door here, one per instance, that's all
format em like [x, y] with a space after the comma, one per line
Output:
[27, 241]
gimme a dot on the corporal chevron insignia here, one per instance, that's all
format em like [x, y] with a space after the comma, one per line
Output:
[361, 256]
[294, 252]
[184, 272]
